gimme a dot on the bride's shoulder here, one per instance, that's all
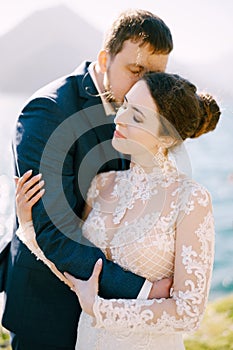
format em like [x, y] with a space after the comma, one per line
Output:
[105, 179]
[192, 184]
[100, 182]
[195, 190]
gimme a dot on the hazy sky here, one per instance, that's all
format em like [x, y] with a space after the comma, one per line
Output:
[202, 29]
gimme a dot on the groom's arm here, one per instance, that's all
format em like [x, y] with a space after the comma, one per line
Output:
[54, 219]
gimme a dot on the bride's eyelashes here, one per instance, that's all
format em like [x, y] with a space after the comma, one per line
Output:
[125, 106]
[137, 119]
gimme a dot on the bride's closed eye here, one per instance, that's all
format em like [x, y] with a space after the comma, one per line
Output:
[137, 119]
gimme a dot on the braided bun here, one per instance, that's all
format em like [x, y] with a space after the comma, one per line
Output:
[209, 115]
[183, 112]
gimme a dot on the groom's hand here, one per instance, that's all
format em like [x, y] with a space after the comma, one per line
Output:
[161, 289]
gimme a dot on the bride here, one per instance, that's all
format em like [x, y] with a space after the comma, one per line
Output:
[151, 219]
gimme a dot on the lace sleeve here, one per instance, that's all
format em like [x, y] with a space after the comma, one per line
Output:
[28, 236]
[194, 253]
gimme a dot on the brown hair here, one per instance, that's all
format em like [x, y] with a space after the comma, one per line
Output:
[139, 25]
[179, 106]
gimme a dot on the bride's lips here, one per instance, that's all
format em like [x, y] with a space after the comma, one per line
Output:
[117, 134]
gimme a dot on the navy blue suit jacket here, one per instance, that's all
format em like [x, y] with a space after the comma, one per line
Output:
[64, 133]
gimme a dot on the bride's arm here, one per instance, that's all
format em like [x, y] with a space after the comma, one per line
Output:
[28, 192]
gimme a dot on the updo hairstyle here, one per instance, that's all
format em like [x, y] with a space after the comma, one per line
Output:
[183, 112]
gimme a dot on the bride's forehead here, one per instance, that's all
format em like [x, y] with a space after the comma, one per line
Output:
[140, 95]
[139, 89]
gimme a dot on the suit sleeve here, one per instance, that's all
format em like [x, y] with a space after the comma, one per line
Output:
[45, 142]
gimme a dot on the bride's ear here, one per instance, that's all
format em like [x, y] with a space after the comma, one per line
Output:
[103, 59]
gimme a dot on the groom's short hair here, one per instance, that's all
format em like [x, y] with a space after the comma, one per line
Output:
[139, 26]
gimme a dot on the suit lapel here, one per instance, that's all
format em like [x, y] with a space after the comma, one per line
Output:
[94, 113]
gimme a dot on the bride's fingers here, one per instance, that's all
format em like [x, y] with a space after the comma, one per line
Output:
[94, 279]
[24, 184]
[23, 179]
[31, 182]
[96, 271]
[30, 197]
[33, 190]
[35, 198]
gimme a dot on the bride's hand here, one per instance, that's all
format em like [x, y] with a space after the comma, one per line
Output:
[28, 192]
[87, 290]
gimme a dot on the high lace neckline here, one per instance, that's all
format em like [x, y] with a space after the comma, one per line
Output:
[139, 183]
[138, 169]
[168, 170]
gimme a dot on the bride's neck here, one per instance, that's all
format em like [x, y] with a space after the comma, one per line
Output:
[146, 162]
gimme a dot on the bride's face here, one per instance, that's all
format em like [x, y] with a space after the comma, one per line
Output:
[137, 123]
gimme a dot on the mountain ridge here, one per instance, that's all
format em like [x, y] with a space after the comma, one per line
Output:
[48, 44]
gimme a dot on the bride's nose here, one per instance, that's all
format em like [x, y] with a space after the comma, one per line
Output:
[121, 116]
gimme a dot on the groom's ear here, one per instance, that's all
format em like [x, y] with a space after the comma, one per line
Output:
[103, 60]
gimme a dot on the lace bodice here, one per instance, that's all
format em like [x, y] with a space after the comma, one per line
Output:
[155, 226]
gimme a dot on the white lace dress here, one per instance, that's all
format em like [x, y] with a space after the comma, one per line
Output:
[155, 227]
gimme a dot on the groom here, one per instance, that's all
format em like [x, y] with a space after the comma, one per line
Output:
[64, 132]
